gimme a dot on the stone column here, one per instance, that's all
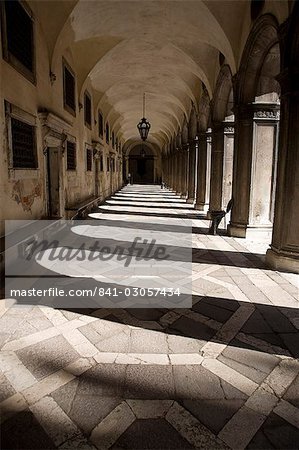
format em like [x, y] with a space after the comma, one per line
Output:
[172, 168]
[284, 251]
[127, 167]
[228, 144]
[193, 146]
[217, 158]
[176, 170]
[254, 169]
[203, 171]
[180, 170]
[185, 170]
[168, 169]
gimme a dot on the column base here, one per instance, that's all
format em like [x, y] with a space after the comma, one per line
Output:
[247, 231]
[282, 261]
[236, 230]
[190, 200]
[202, 207]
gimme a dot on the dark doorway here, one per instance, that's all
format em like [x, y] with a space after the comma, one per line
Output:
[141, 165]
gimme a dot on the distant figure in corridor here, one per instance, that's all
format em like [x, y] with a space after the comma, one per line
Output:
[130, 180]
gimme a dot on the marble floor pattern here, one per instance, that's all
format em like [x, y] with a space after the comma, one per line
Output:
[222, 375]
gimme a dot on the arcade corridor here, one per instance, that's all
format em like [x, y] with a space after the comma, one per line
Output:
[127, 129]
[221, 375]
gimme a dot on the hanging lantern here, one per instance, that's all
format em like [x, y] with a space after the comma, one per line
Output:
[144, 125]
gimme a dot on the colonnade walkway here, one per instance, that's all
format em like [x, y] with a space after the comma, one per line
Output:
[222, 374]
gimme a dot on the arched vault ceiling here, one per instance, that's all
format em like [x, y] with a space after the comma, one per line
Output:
[164, 48]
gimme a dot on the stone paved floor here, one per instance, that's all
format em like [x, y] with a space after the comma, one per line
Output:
[221, 375]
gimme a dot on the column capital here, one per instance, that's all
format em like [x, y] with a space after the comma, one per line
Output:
[229, 128]
[225, 127]
[209, 135]
[186, 147]
[266, 112]
[193, 143]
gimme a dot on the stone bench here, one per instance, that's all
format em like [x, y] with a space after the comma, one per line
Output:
[80, 210]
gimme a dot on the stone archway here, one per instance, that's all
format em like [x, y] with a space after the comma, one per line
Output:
[222, 141]
[256, 131]
[204, 152]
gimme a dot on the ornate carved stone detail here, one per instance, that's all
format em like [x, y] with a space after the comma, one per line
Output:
[97, 148]
[209, 135]
[267, 114]
[229, 129]
[55, 130]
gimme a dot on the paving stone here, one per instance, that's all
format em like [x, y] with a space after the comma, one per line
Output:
[288, 412]
[101, 329]
[247, 361]
[149, 382]
[151, 434]
[118, 343]
[279, 433]
[234, 272]
[10, 323]
[195, 382]
[90, 333]
[70, 315]
[192, 430]
[112, 426]
[271, 338]
[55, 422]
[190, 328]
[254, 294]
[146, 314]
[214, 414]
[238, 431]
[23, 431]
[6, 389]
[145, 341]
[93, 395]
[48, 356]
[291, 394]
[113, 318]
[77, 443]
[256, 324]
[31, 325]
[260, 442]
[4, 337]
[291, 341]
[277, 321]
[149, 409]
[182, 344]
[47, 385]
[213, 310]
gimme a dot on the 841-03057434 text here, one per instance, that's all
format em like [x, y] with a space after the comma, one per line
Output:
[142, 292]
